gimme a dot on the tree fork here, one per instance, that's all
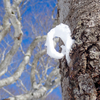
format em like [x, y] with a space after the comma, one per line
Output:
[81, 79]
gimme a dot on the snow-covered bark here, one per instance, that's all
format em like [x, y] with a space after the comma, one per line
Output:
[62, 31]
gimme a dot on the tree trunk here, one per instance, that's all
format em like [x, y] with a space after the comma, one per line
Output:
[81, 78]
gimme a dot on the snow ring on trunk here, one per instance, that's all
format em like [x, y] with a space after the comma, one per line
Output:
[62, 31]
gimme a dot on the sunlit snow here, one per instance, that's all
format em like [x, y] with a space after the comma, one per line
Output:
[62, 31]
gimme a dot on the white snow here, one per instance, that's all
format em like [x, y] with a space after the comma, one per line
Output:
[62, 31]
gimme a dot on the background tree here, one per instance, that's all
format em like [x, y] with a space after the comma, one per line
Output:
[80, 80]
[26, 72]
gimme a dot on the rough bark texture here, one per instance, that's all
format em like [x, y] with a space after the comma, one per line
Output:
[81, 79]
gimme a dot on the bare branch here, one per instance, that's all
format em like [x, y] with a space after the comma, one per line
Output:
[17, 74]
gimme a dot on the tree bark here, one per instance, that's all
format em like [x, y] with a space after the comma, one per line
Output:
[80, 80]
